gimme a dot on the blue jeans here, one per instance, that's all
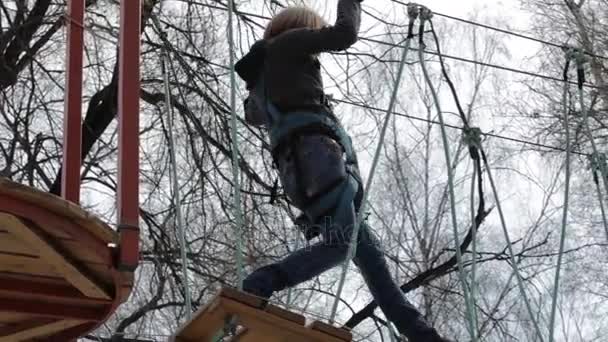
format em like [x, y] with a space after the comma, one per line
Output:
[336, 226]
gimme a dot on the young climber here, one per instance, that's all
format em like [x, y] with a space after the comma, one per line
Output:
[316, 162]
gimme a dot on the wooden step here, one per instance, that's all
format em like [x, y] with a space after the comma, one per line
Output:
[255, 322]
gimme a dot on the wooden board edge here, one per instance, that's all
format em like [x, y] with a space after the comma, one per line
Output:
[50, 254]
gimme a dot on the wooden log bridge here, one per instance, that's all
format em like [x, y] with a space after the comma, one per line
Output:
[250, 320]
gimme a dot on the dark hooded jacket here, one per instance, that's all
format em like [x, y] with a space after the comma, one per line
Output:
[293, 72]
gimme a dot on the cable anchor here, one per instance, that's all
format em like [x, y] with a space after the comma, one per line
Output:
[472, 137]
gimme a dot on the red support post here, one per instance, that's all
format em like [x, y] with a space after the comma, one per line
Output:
[72, 136]
[128, 133]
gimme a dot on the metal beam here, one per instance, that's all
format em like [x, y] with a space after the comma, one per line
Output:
[72, 131]
[128, 133]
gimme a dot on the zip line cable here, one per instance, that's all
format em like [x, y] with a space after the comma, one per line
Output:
[235, 152]
[412, 14]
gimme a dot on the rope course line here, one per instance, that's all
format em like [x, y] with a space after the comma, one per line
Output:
[174, 174]
[598, 160]
[489, 65]
[461, 59]
[424, 17]
[492, 135]
[566, 202]
[601, 200]
[235, 151]
[361, 105]
[412, 14]
[475, 155]
[176, 191]
[505, 31]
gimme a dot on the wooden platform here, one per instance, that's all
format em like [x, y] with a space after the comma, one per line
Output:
[254, 324]
[58, 278]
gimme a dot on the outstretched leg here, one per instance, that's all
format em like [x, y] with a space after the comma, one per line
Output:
[309, 262]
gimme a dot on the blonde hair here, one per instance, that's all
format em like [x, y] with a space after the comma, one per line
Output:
[292, 18]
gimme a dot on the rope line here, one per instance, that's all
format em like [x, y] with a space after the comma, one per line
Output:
[485, 64]
[235, 152]
[474, 246]
[505, 31]
[395, 45]
[492, 135]
[412, 13]
[598, 160]
[174, 174]
[601, 200]
[474, 149]
[565, 209]
[426, 15]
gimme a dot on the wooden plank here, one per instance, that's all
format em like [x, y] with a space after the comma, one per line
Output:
[39, 330]
[204, 324]
[12, 245]
[12, 317]
[45, 293]
[340, 333]
[270, 325]
[53, 281]
[274, 328]
[25, 324]
[53, 224]
[34, 308]
[285, 314]
[74, 273]
[59, 206]
[25, 266]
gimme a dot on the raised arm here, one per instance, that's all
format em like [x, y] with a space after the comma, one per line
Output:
[338, 37]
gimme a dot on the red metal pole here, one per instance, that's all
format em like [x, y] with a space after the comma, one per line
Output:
[128, 133]
[72, 136]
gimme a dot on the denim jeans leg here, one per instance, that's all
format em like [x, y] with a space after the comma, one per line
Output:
[374, 269]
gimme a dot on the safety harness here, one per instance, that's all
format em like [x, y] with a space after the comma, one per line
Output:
[284, 127]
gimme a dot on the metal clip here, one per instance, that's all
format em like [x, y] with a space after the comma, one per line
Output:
[472, 136]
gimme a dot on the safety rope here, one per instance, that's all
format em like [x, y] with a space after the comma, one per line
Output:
[477, 151]
[562, 241]
[425, 15]
[474, 248]
[176, 193]
[235, 152]
[600, 196]
[412, 14]
[472, 138]
[598, 160]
